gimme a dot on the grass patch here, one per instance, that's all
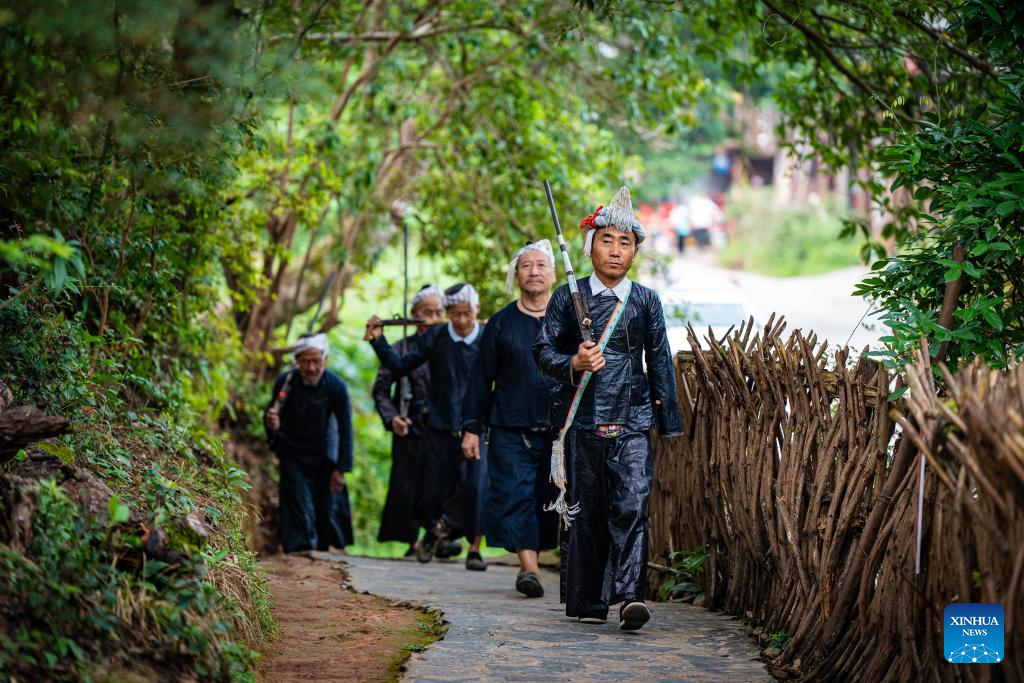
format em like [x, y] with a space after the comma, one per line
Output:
[430, 628]
[783, 241]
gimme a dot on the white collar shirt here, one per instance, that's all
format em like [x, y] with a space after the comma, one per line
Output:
[619, 291]
[468, 339]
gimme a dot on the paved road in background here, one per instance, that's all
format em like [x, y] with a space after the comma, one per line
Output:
[822, 303]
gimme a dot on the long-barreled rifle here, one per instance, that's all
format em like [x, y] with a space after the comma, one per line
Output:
[582, 313]
[561, 505]
[405, 383]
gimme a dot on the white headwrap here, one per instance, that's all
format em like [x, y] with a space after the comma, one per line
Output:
[426, 292]
[310, 341]
[543, 246]
[461, 293]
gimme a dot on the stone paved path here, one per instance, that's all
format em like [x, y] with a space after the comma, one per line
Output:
[495, 634]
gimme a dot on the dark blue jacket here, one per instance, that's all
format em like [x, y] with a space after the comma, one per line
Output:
[388, 400]
[304, 421]
[621, 393]
[506, 388]
[450, 365]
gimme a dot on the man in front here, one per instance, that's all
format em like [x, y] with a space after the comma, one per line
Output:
[311, 471]
[508, 397]
[604, 409]
[454, 487]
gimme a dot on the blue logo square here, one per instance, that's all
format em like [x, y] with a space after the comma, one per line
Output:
[972, 633]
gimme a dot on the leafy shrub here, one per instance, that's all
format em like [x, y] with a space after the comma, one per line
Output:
[965, 170]
[683, 585]
[82, 596]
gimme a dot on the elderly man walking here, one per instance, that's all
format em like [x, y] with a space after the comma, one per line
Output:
[297, 422]
[454, 487]
[508, 399]
[403, 509]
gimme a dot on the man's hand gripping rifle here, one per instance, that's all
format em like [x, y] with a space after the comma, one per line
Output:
[588, 357]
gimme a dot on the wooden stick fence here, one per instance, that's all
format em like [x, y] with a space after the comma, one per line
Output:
[792, 472]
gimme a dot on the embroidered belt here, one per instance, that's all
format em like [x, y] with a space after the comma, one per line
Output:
[610, 431]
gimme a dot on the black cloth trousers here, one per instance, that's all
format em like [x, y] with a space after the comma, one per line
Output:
[606, 559]
[454, 488]
[519, 470]
[403, 509]
[309, 516]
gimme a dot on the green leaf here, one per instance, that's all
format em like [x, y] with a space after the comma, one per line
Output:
[991, 12]
[1006, 208]
[972, 270]
[952, 273]
[117, 513]
[898, 393]
[59, 273]
[992, 318]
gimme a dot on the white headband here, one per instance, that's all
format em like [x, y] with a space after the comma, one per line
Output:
[312, 341]
[461, 294]
[543, 246]
[426, 292]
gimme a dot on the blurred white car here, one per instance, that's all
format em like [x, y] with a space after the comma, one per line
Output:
[720, 308]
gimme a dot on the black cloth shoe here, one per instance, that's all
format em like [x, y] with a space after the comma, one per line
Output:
[529, 585]
[426, 547]
[446, 549]
[633, 615]
[594, 616]
[475, 562]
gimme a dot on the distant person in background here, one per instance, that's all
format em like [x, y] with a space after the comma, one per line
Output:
[679, 217]
[311, 473]
[403, 514]
[702, 218]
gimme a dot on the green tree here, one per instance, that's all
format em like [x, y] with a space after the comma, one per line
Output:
[443, 114]
[924, 99]
[958, 280]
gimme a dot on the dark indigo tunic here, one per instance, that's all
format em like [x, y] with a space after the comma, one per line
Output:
[387, 391]
[303, 433]
[622, 392]
[506, 388]
[309, 445]
[450, 364]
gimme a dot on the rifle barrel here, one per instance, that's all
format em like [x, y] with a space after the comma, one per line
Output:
[582, 314]
[561, 238]
[403, 321]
